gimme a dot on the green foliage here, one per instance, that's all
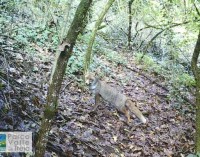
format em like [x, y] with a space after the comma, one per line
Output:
[20, 25]
[104, 69]
[113, 56]
[75, 63]
[185, 79]
[170, 70]
[117, 58]
[176, 78]
[26, 36]
[148, 63]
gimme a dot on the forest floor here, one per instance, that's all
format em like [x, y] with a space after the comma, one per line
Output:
[79, 131]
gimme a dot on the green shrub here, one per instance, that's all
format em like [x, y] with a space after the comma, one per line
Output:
[148, 63]
[185, 79]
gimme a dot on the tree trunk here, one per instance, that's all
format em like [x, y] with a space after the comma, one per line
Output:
[65, 52]
[94, 31]
[66, 17]
[130, 23]
[196, 72]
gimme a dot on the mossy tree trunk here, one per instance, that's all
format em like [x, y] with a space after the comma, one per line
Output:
[65, 52]
[66, 17]
[196, 72]
[94, 32]
[130, 23]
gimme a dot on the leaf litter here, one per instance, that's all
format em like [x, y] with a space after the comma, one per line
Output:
[80, 131]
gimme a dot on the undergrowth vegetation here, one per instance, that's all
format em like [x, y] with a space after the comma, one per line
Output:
[40, 28]
[158, 48]
[174, 73]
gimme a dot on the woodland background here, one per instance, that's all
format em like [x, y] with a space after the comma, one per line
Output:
[143, 48]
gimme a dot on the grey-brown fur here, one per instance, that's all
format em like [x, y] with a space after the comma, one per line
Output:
[117, 99]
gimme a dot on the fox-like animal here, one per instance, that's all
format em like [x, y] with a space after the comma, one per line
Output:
[120, 101]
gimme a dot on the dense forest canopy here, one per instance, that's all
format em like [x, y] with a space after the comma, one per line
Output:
[146, 49]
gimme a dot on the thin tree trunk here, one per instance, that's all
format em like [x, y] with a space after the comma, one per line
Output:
[196, 72]
[130, 23]
[94, 31]
[65, 52]
[64, 26]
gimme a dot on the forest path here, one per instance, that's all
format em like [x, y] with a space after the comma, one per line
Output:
[79, 132]
[168, 132]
